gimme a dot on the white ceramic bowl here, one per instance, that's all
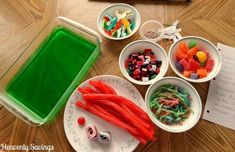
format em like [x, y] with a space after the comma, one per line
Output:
[111, 10]
[196, 105]
[204, 45]
[140, 46]
[154, 26]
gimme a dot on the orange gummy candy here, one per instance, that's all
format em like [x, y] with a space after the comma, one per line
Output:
[187, 73]
[183, 47]
[192, 51]
[181, 55]
[202, 72]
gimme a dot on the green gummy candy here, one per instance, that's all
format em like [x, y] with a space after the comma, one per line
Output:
[105, 25]
[132, 26]
[114, 34]
[192, 44]
[154, 76]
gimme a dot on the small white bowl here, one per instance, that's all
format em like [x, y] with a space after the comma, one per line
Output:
[204, 45]
[153, 26]
[111, 10]
[196, 105]
[140, 46]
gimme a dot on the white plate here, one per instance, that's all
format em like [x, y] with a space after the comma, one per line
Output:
[121, 140]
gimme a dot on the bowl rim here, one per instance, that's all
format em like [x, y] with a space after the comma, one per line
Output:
[141, 82]
[119, 4]
[218, 67]
[152, 21]
[160, 124]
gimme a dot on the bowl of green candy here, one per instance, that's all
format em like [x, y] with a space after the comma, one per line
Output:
[173, 104]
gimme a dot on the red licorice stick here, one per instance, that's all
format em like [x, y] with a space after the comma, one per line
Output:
[117, 99]
[136, 134]
[118, 25]
[135, 116]
[100, 88]
[110, 89]
[82, 90]
[148, 123]
[88, 89]
[110, 118]
[125, 115]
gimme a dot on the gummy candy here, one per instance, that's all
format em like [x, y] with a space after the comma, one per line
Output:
[192, 51]
[181, 55]
[194, 76]
[179, 67]
[202, 72]
[119, 25]
[183, 47]
[187, 73]
[185, 64]
[143, 66]
[209, 65]
[193, 64]
[192, 44]
[201, 56]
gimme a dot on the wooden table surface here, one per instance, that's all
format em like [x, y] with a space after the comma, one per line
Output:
[20, 20]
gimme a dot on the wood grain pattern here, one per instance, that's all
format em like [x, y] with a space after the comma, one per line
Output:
[20, 20]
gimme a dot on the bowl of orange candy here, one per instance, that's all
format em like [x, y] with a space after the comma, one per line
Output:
[195, 59]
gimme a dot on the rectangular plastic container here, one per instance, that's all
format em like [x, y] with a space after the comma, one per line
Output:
[40, 81]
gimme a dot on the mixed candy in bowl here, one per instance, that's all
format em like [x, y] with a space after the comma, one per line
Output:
[195, 59]
[173, 104]
[118, 21]
[143, 62]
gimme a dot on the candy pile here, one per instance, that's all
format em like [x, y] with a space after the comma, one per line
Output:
[102, 136]
[192, 62]
[119, 25]
[170, 104]
[151, 35]
[143, 66]
[104, 102]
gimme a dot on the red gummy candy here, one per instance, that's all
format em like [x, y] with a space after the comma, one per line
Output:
[141, 57]
[157, 70]
[106, 18]
[194, 65]
[108, 32]
[185, 64]
[209, 65]
[136, 72]
[81, 120]
[147, 51]
[126, 64]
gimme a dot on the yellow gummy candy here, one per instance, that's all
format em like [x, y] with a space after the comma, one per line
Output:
[201, 56]
[125, 22]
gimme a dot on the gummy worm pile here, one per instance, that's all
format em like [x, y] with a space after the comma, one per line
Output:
[170, 104]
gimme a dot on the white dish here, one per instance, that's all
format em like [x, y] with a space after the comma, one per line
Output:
[204, 45]
[153, 26]
[139, 46]
[121, 140]
[111, 10]
[196, 105]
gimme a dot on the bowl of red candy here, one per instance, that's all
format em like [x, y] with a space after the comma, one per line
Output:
[143, 62]
[195, 59]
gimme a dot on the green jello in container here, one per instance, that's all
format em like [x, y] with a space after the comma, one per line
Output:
[49, 71]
